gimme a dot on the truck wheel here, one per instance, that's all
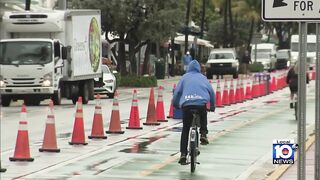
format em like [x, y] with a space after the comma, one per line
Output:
[209, 75]
[57, 97]
[110, 95]
[85, 93]
[5, 101]
[74, 100]
[235, 76]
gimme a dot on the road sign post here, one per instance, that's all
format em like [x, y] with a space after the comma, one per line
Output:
[317, 124]
[302, 100]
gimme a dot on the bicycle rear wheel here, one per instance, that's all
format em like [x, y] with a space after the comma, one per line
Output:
[193, 156]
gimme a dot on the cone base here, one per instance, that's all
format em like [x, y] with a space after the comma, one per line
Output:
[49, 150]
[133, 127]
[78, 143]
[169, 116]
[97, 137]
[3, 170]
[162, 120]
[151, 124]
[21, 159]
[114, 132]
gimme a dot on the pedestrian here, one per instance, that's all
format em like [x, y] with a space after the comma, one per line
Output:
[193, 92]
[246, 60]
[186, 60]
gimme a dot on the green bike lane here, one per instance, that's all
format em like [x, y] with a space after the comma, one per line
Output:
[240, 144]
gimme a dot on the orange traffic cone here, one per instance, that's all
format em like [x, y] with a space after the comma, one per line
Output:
[97, 131]
[272, 86]
[225, 97]
[49, 139]
[238, 92]
[78, 136]
[242, 96]
[231, 93]
[218, 95]
[248, 90]
[22, 151]
[171, 105]
[151, 113]
[134, 120]
[115, 125]
[160, 107]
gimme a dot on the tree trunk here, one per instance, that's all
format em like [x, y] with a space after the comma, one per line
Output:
[145, 69]
[132, 58]
[250, 34]
[122, 56]
[231, 24]
[225, 23]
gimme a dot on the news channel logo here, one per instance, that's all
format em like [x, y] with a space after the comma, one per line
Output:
[283, 151]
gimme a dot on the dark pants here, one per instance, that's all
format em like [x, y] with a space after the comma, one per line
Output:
[187, 119]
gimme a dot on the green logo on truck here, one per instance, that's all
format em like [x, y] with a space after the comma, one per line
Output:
[94, 44]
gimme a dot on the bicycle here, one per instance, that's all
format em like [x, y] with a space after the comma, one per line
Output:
[194, 139]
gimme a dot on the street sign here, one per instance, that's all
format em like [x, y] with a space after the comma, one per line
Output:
[291, 10]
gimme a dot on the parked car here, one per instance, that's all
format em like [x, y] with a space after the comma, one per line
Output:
[221, 62]
[106, 84]
[283, 59]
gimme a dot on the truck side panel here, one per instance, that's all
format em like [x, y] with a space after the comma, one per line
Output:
[86, 46]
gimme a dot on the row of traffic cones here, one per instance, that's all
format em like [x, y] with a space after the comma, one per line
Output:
[254, 89]
[154, 116]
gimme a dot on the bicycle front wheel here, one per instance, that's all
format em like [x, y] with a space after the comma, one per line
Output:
[193, 156]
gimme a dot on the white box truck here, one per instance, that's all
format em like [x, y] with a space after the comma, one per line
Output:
[266, 55]
[49, 54]
[311, 49]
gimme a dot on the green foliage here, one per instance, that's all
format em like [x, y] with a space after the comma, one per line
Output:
[256, 67]
[138, 81]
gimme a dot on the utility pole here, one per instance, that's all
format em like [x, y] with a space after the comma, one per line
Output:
[202, 27]
[187, 27]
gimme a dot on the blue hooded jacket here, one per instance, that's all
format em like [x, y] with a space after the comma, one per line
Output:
[193, 89]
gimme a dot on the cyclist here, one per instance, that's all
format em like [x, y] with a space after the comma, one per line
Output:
[292, 80]
[193, 92]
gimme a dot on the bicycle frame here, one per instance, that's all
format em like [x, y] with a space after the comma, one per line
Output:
[194, 139]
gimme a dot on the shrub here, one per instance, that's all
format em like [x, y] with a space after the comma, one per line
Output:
[256, 67]
[138, 81]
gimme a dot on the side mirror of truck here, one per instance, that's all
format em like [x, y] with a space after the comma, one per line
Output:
[64, 52]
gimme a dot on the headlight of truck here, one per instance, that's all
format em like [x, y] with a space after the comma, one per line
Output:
[108, 81]
[2, 84]
[235, 64]
[47, 80]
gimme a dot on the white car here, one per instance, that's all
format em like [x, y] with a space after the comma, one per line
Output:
[106, 84]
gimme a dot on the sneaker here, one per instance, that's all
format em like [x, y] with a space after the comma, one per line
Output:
[204, 140]
[291, 105]
[183, 159]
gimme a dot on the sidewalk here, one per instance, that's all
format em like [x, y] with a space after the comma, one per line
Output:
[291, 173]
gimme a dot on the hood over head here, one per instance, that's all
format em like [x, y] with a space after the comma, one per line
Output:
[194, 66]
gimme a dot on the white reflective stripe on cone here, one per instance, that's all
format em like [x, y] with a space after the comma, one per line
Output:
[23, 126]
[50, 119]
[98, 110]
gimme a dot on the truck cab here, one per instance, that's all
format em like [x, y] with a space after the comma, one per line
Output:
[221, 62]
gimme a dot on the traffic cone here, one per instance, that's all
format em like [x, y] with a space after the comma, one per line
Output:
[171, 105]
[272, 85]
[78, 136]
[231, 93]
[160, 107]
[115, 125]
[134, 120]
[151, 113]
[97, 131]
[218, 95]
[242, 95]
[225, 96]
[49, 139]
[248, 90]
[238, 93]
[22, 151]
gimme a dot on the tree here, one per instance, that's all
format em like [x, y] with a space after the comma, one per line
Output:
[136, 23]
